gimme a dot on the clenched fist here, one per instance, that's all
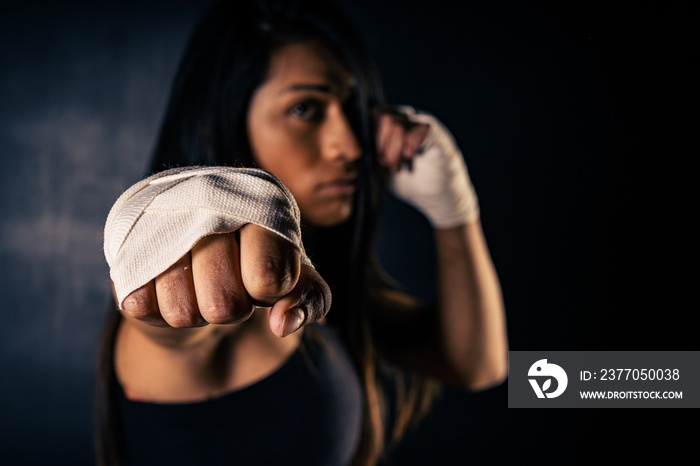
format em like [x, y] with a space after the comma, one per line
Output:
[197, 245]
[224, 276]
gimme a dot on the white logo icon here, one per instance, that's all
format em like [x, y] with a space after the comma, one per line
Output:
[541, 369]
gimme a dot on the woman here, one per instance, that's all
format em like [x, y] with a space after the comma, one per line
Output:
[289, 88]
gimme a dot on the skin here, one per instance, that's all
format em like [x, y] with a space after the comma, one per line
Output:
[298, 130]
[193, 332]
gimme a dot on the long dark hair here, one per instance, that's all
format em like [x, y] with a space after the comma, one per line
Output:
[226, 59]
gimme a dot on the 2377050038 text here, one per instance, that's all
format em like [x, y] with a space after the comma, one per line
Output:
[631, 374]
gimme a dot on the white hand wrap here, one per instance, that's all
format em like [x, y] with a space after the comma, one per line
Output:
[438, 184]
[159, 219]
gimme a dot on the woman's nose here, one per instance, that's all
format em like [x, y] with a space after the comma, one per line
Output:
[339, 141]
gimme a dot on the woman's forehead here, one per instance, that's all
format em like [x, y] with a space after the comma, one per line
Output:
[307, 63]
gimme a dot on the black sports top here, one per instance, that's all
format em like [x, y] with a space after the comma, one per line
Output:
[308, 412]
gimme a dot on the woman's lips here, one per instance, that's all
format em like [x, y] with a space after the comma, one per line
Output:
[339, 187]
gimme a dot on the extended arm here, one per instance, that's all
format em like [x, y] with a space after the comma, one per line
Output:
[190, 252]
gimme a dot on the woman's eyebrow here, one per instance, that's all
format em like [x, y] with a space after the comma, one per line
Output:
[325, 88]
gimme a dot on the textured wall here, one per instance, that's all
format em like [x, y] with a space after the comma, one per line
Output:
[570, 119]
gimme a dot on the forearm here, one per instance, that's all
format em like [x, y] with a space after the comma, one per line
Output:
[154, 364]
[164, 364]
[470, 314]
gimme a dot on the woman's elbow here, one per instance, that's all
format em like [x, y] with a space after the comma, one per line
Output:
[486, 381]
[484, 377]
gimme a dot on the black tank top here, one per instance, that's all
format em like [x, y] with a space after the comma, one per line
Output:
[308, 412]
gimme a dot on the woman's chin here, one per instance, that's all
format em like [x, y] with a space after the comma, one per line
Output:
[329, 217]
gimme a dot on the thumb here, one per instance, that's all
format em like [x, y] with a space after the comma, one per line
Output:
[308, 302]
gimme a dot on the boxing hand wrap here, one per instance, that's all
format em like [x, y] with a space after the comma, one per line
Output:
[159, 219]
[438, 183]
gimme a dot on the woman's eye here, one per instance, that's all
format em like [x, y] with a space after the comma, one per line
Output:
[307, 110]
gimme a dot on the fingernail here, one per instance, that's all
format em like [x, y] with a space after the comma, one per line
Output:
[292, 321]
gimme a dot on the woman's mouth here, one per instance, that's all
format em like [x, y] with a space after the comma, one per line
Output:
[339, 187]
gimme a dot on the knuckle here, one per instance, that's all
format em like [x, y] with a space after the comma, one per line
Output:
[271, 277]
[226, 313]
[322, 302]
[226, 305]
[138, 313]
[217, 314]
[178, 320]
[317, 297]
[140, 305]
[181, 318]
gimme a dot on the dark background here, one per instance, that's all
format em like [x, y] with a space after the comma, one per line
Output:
[578, 122]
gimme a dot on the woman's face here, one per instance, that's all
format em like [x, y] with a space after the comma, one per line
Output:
[298, 130]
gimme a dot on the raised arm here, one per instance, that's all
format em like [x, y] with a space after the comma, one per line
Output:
[462, 340]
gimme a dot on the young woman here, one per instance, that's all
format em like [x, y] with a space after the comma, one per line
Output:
[234, 354]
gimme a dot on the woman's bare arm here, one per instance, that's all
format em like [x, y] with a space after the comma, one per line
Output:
[462, 340]
[471, 317]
